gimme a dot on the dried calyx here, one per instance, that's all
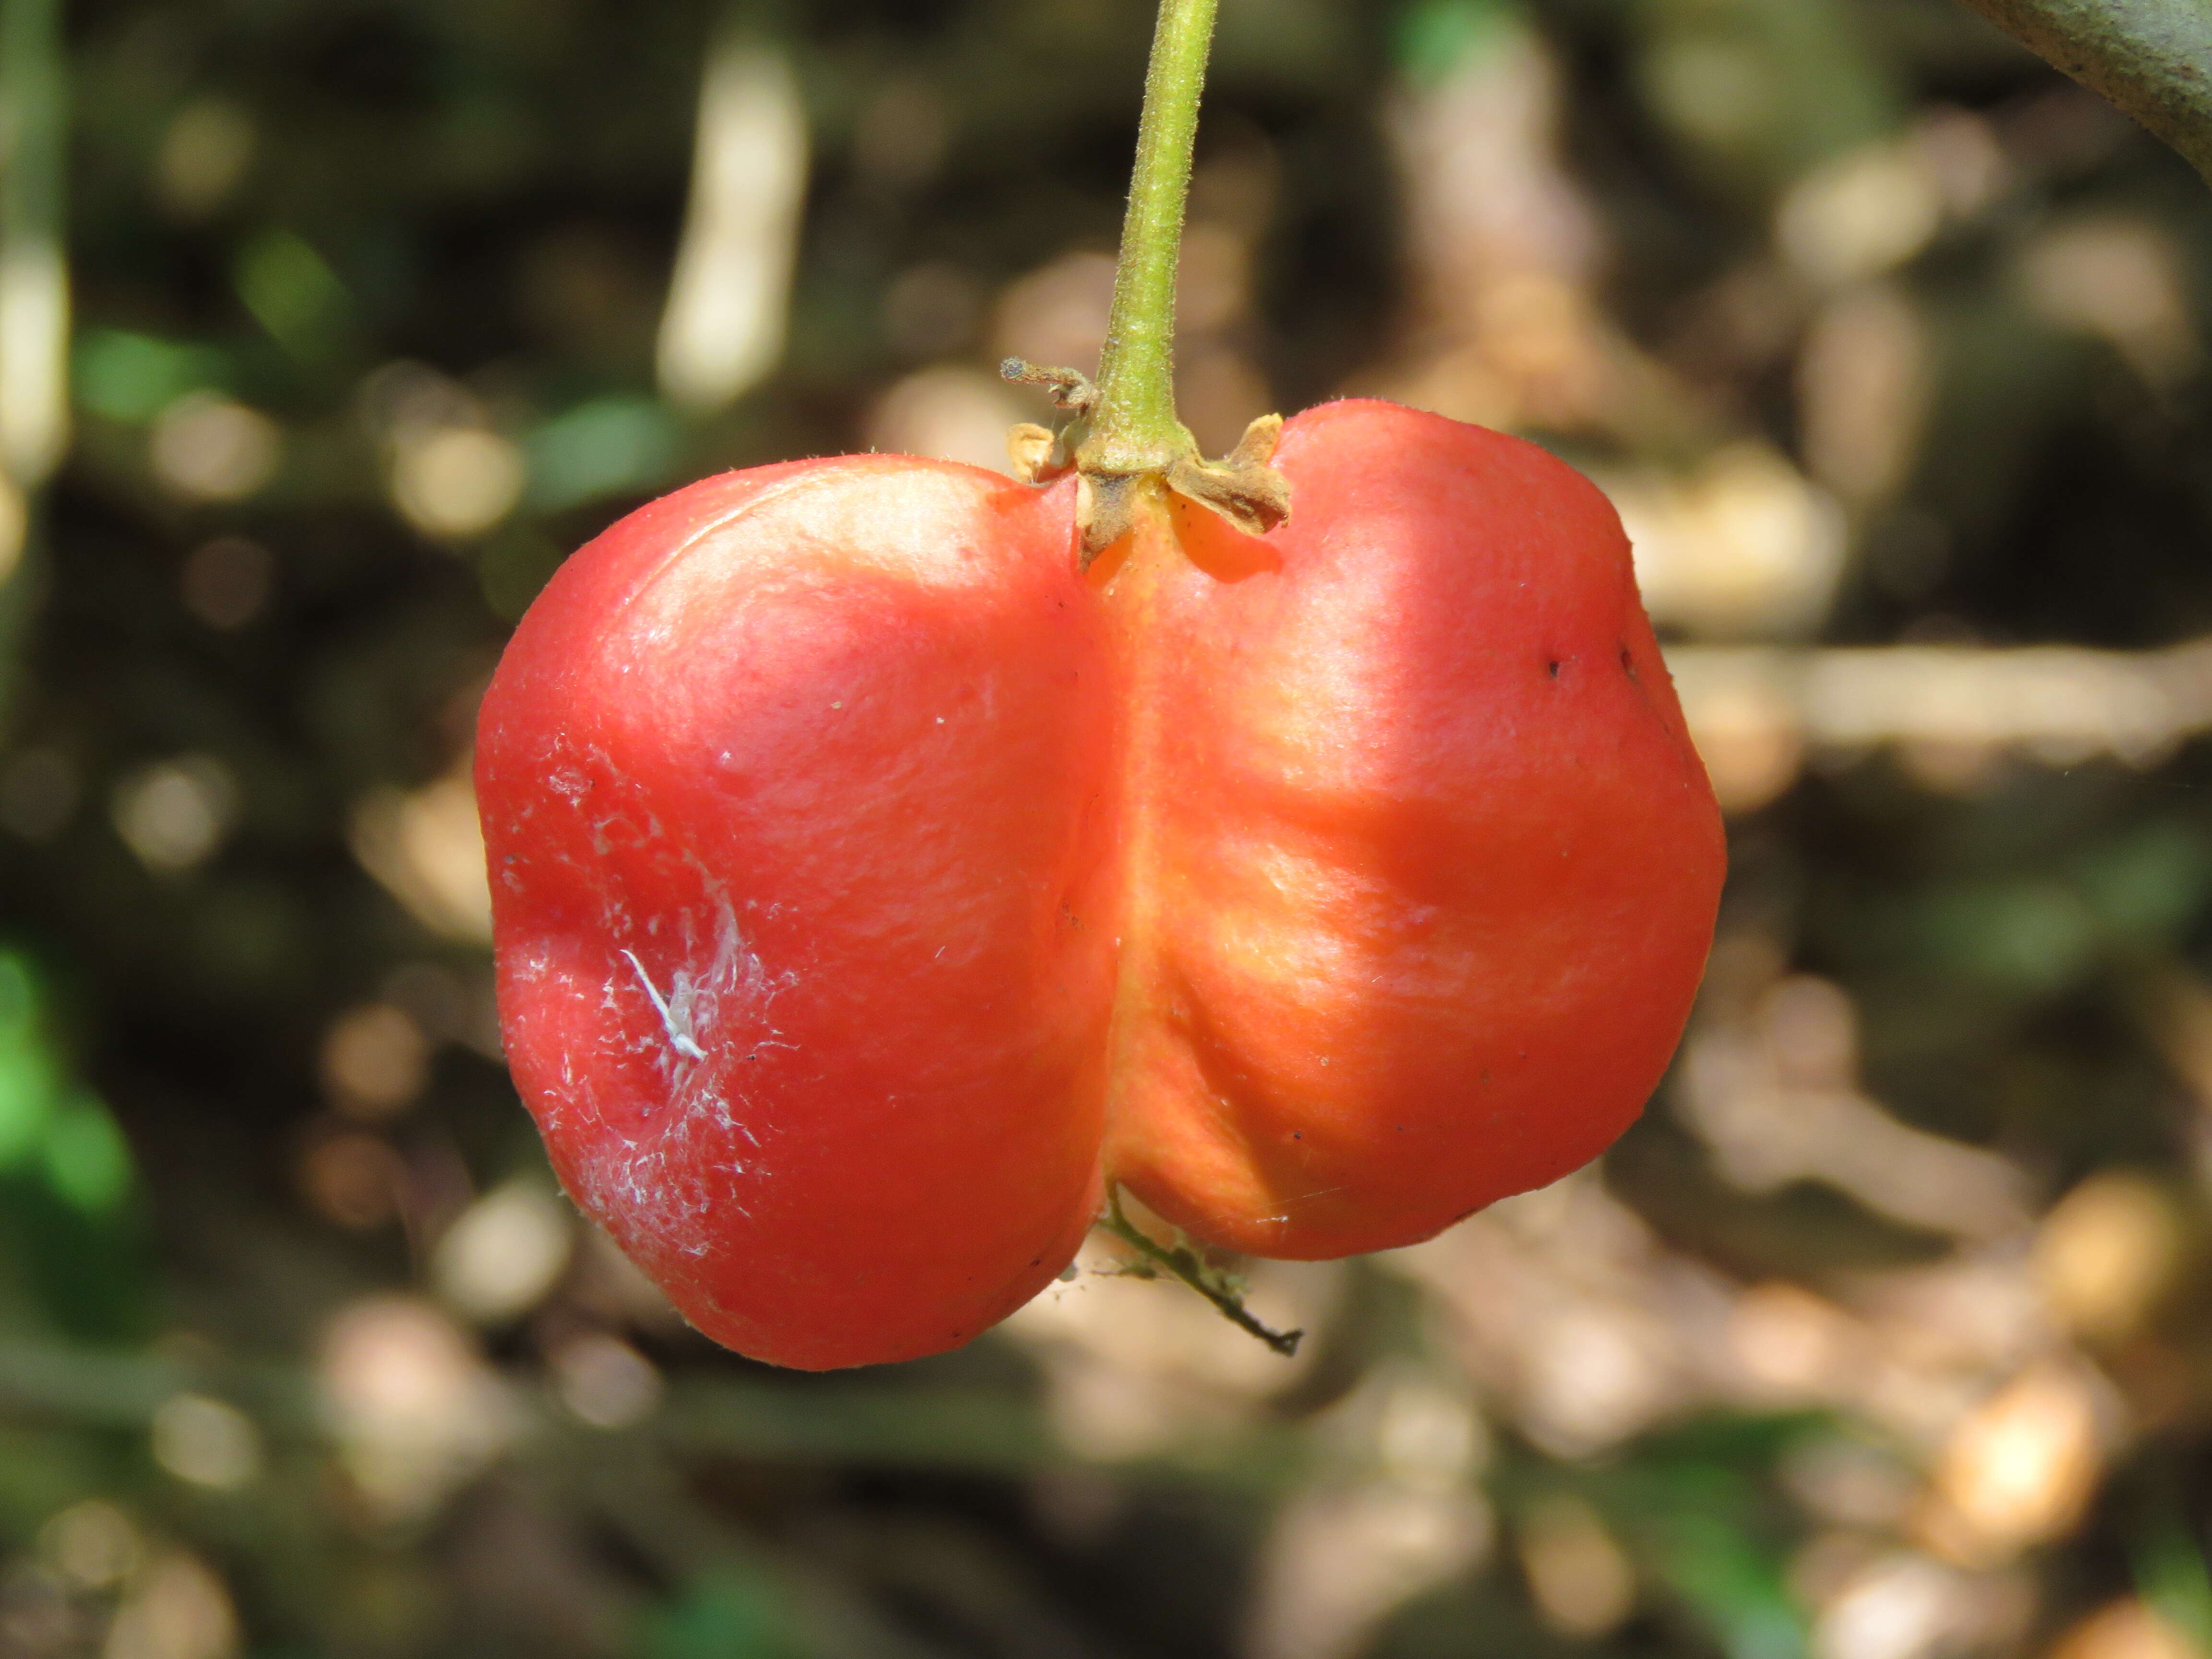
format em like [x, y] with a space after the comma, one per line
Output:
[1125, 443]
[1242, 486]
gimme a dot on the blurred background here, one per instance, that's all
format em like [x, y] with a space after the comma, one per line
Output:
[328, 326]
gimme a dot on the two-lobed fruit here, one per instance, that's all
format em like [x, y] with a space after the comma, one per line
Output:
[872, 884]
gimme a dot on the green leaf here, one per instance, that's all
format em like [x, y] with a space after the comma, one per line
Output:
[133, 377]
[600, 448]
[87, 1162]
[736, 1613]
[293, 293]
[1436, 36]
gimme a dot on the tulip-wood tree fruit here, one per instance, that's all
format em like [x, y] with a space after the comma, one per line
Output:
[890, 857]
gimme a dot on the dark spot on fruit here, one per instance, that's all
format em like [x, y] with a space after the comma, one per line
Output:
[1627, 662]
[1296, 1135]
[1552, 668]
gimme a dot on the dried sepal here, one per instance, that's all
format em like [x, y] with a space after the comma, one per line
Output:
[1105, 509]
[1243, 488]
[1030, 447]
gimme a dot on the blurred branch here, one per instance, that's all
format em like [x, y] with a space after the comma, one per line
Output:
[728, 303]
[83, 1386]
[34, 282]
[33, 293]
[896, 1428]
[921, 1427]
[2063, 704]
[882, 1424]
[104, 1387]
[2151, 57]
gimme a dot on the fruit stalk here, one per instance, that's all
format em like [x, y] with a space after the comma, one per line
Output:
[1125, 441]
[1183, 1260]
[1132, 427]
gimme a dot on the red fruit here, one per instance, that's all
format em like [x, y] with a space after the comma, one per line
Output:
[870, 884]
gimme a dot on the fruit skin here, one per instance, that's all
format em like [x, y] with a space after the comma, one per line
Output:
[1430, 863]
[1321, 888]
[828, 741]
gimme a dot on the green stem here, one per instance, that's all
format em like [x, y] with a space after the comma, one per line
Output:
[1125, 441]
[1132, 427]
[2152, 57]
[1180, 1260]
